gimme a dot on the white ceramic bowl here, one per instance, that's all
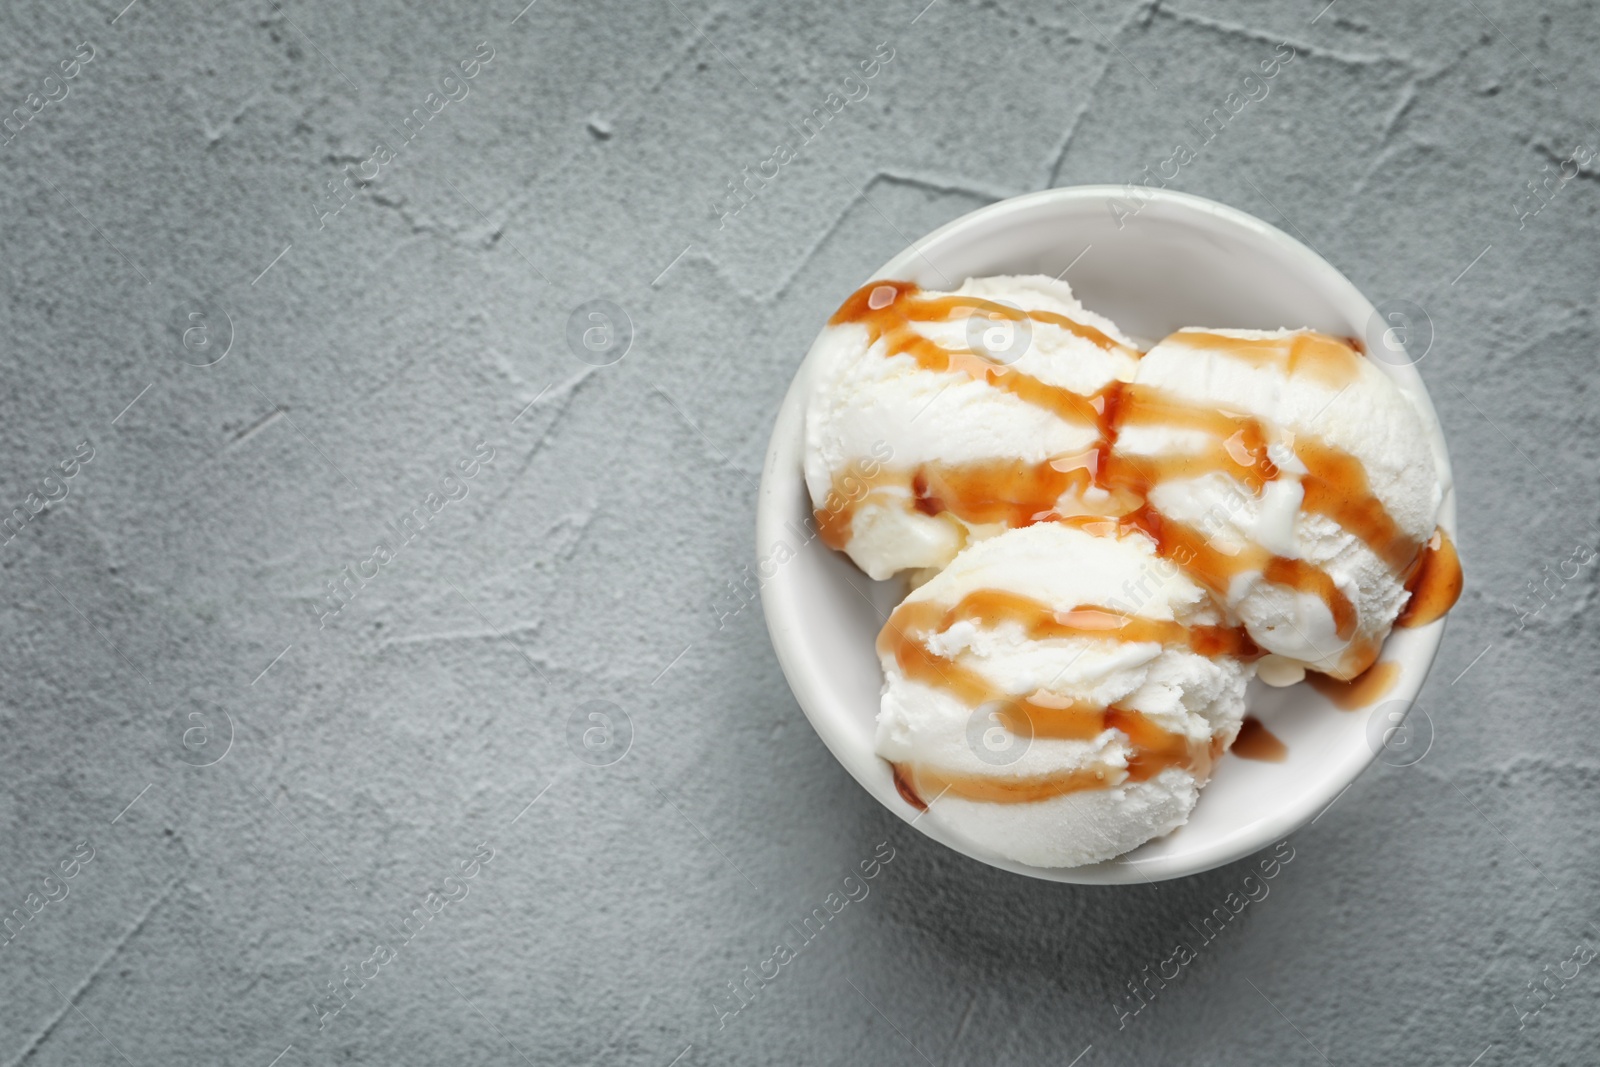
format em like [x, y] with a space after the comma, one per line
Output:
[1180, 261]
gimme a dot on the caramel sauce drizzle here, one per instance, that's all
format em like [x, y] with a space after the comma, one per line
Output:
[891, 321]
[1215, 569]
[879, 310]
[1012, 492]
[1016, 493]
[1364, 689]
[1435, 585]
[1257, 742]
[1043, 714]
[927, 781]
[1335, 483]
[907, 791]
[1009, 491]
[834, 524]
[1332, 360]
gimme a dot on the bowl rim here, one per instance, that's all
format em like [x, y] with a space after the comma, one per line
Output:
[781, 472]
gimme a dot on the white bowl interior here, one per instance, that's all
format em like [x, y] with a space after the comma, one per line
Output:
[1180, 261]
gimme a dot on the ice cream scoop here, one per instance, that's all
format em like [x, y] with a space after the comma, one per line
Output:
[1058, 693]
[1293, 478]
[938, 419]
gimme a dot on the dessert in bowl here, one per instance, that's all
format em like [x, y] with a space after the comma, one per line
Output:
[1027, 574]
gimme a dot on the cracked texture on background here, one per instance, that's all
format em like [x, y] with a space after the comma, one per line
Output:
[176, 585]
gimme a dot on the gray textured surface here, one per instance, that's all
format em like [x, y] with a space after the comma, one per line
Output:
[596, 552]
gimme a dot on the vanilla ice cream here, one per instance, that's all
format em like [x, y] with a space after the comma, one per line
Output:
[1289, 475]
[1111, 545]
[1057, 694]
[938, 419]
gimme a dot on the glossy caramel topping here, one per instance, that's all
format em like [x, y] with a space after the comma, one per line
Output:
[1015, 494]
[1335, 484]
[933, 784]
[1154, 750]
[1019, 494]
[1365, 689]
[834, 524]
[1302, 355]
[915, 620]
[850, 490]
[882, 303]
[1010, 491]
[1257, 742]
[907, 791]
[1043, 714]
[888, 310]
[1237, 445]
[1040, 622]
[1058, 400]
[1006, 491]
[1436, 583]
[1215, 569]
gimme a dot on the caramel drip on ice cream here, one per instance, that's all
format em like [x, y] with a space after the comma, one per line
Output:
[833, 524]
[1215, 569]
[888, 310]
[907, 791]
[1042, 714]
[1016, 493]
[1363, 690]
[1013, 492]
[883, 304]
[1335, 484]
[1331, 360]
[1040, 622]
[1009, 491]
[1435, 584]
[930, 782]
